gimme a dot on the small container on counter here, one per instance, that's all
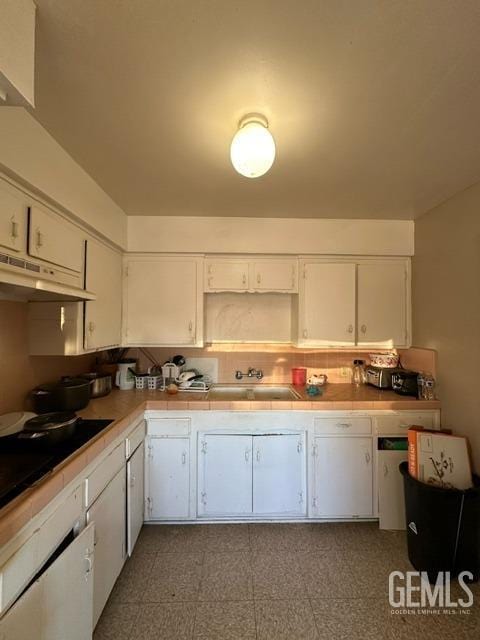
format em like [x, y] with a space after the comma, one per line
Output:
[359, 375]
[299, 376]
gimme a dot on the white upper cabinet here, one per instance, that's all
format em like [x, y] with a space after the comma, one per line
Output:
[383, 304]
[13, 219]
[246, 274]
[226, 275]
[163, 301]
[327, 304]
[53, 239]
[275, 275]
[103, 316]
[363, 303]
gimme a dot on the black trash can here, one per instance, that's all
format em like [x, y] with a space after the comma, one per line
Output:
[443, 527]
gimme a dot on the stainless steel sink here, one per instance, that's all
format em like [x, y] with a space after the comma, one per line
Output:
[252, 392]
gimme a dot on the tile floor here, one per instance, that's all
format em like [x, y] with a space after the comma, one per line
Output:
[268, 582]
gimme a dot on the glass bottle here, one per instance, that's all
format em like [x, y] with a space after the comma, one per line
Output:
[358, 372]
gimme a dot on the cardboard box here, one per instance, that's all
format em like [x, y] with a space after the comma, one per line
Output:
[439, 458]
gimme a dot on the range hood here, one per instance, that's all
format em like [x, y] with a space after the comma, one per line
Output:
[22, 279]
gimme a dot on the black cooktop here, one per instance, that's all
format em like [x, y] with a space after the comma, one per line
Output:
[22, 463]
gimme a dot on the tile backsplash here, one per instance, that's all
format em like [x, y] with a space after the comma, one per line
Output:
[277, 362]
[19, 372]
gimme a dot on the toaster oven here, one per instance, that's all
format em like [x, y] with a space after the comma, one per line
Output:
[380, 377]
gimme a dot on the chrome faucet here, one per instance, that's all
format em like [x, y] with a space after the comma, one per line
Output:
[252, 373]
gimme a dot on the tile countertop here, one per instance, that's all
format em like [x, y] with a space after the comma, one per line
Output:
[125, 406]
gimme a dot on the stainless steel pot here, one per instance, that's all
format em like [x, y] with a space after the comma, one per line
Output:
[49, 429]
[100, 384]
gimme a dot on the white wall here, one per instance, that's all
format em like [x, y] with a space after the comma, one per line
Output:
[17, 49]
[29, 153]
[270, 235]
[446, 307]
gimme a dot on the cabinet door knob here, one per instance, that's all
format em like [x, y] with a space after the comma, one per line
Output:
[305, 333]
[247, 455]
[91, 327]
[190, 326]
[184, 458]
[385, 470]
[350, 328]
[244, 278]
[258, 455]
[259, 278]
[39, 238]
[367, 457]
[363, 328]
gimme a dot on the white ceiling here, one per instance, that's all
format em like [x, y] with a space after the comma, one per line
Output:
[374, 105]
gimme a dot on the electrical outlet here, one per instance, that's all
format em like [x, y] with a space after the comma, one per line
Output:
[345, 372]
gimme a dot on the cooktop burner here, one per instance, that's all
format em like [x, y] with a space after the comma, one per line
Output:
[23, 463]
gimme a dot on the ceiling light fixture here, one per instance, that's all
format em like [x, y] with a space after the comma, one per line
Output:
[253, 148]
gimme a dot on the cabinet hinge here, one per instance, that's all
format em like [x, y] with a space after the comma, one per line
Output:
[204, 446]
[304, 273]
[150, 451]
[203, 498]
[149, 506]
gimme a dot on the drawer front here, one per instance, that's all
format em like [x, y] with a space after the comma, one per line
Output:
[400, 423]
[343, 425]
[101, 476]
[169, 427]
[18, 570]
[135, 439]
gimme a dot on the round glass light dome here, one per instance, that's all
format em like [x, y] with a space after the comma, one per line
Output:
[253, 148]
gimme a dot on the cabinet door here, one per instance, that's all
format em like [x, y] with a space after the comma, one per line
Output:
[391, 501]
[61, 598]
[13, 220]
[68, 591]
[108, 515]
[226, 275]
[162, 299]
[225, 475]
[382, 304]
[343, 477]
[135, 496]
[327, 304]
[168, 478]
[275, 275]
[25, 619]
[55, 240]
[103, 316]
[278, 474]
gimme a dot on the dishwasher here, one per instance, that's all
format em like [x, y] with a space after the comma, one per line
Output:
[391, 451]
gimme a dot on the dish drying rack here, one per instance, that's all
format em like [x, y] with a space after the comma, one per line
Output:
[154, 382]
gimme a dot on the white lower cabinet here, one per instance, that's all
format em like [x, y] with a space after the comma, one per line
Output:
[343, 484]
[168, 478]
[135, 496]
[391, 502]
[108, 515]
[278, 475]
[225, 475]
[241, 475]
[60, 599]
